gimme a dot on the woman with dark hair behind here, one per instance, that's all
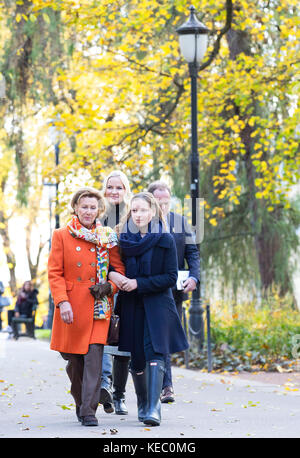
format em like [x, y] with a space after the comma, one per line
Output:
[26, 302]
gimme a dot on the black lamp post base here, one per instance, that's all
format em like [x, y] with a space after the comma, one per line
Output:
[196, 322]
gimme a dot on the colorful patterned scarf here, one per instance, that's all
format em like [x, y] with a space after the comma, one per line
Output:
[104, 238]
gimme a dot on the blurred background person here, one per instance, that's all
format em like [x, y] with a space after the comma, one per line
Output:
[26, 302]
[4, 302]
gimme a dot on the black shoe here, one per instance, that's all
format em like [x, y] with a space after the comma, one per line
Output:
[155, 374]
[120, 406]
[140, 386]
[167, 395]
[108, 407]
[89, 420]
[105, 396]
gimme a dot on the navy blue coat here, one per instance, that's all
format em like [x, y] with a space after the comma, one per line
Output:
[187, 251]
[185, 244]
[167, 335]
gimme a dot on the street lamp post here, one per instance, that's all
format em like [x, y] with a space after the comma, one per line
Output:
[193, 43]
[51, 197]
[54, 138]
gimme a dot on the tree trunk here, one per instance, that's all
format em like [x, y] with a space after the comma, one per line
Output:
[33, 266]
[267, 242]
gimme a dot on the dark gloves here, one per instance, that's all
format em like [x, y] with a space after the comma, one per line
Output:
[101, 289]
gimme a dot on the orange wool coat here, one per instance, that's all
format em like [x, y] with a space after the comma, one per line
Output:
[71, 271]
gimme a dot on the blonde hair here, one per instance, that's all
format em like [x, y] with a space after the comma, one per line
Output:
[88, 192]
[124, 181]
[153, 203]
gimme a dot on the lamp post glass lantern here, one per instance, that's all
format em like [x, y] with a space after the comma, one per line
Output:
[193, 37]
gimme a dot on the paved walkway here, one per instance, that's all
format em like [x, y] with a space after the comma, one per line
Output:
[35, 403]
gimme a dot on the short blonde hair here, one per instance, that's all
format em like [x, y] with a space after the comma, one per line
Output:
[88, 192]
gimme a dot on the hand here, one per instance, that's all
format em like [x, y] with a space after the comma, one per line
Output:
[116, 278]
[189, 285]
[129, 284]
[66, 312]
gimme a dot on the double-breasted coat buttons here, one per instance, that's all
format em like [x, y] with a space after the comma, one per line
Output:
[92, 264]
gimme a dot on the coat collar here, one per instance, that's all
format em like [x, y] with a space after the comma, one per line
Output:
[164, 241]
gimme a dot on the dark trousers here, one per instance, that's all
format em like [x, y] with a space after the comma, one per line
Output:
[143, 349]
[10, 314]
[168, 373]
[15, 325]
[84, 372]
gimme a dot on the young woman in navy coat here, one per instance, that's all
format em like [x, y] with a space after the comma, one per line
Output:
[150, 326]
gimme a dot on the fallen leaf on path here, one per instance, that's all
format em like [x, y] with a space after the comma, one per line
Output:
[65, 407]
[250, 404]
[222, 380]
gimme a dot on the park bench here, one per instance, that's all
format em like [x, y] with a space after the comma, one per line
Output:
[29, 322]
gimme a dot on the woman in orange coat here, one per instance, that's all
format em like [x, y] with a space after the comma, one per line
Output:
[80, 257]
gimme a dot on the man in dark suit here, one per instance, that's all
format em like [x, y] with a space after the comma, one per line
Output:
[187, 253]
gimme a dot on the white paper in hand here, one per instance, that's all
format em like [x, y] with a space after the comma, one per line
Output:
[182, 276]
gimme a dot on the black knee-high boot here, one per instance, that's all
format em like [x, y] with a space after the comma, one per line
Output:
[120, 376]
[155, 373]
[140, 386]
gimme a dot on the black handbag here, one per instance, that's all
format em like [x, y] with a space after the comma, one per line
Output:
[113, 330]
